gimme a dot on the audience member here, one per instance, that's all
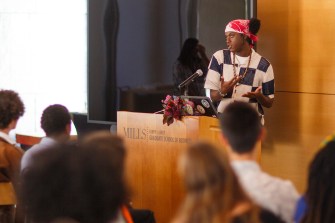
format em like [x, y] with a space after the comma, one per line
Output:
[318, 202]
[241, 131]
[104, 141]
[11, 109]
[79, 183]
[191, 58]
[213, 193]
[56, 123]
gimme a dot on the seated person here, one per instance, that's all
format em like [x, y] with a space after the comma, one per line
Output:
[11, 109]
[241, 132]
[77, 183]
[56, 123]
[113, 147]
[316, 204]
[213, 193]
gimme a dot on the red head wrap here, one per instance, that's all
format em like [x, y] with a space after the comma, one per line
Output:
[241, 26]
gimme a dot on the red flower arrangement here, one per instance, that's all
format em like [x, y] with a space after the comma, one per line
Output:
[175, 108]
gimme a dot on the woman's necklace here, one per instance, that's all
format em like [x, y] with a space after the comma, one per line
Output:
[243, 75]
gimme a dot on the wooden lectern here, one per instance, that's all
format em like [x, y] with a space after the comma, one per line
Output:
[153, 151]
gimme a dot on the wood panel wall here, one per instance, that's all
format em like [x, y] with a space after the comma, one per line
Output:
[296, 36]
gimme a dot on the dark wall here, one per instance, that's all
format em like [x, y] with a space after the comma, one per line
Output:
[102, 33]
[133, 44]
[214, 15]
[148, 42]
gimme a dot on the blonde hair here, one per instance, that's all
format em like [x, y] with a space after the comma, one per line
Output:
[212, 189]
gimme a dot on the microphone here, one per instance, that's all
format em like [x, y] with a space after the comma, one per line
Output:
[186, 82]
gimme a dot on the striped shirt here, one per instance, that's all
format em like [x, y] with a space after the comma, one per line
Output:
[259, 73]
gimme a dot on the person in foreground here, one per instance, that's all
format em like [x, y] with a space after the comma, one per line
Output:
[239, 73]
[82, 183]
[317, 204]
[11, 109]
[241, 132]
[213, 193]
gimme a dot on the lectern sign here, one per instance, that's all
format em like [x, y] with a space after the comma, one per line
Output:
[152, 135]
[135, 133]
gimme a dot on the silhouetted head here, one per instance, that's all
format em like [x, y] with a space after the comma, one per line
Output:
[241, 126]
[189, 51]
[55, 119]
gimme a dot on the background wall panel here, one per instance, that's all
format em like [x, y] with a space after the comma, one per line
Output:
[289, 147]
[295, 37]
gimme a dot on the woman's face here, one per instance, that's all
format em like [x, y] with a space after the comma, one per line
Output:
[234, 41]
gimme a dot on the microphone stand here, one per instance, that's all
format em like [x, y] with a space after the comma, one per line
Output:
[189, 80]
[185, 89]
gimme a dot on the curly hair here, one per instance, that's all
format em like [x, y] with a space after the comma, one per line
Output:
[11, 107]
[54, 119]
[254, 25]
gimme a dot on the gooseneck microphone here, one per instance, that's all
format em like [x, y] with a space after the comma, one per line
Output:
[186, 82]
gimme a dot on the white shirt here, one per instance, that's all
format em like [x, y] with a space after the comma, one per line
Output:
[7, 138]
[27, 158]
[272, 193]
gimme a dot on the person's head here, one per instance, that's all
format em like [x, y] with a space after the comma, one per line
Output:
[81, 182]
[11, 109]
[110, 146]
[241, 34]
[320, 194]
[212, 189]
[106, 154]
[241, 127]
[56, 120]
[189, 51]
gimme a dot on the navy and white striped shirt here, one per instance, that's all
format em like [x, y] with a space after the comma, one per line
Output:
[259, 73]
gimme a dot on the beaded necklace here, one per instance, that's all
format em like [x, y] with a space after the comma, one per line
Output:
[246, 70]
[243, 75]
